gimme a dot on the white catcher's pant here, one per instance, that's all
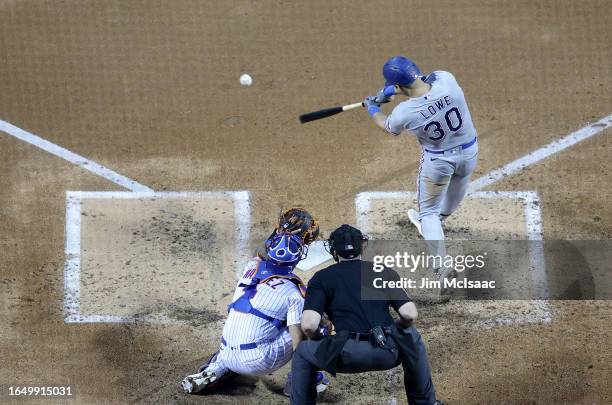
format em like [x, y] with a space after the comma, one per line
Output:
[442, 184]
[266, 358]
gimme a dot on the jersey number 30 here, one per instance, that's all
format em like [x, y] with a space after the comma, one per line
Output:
[437, 128]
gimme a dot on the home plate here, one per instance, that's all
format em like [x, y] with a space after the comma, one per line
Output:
[317, 255]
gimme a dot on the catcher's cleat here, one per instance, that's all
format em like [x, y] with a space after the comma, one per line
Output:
[208, 375]
[195, 383]
[322, 383]
[413, 216]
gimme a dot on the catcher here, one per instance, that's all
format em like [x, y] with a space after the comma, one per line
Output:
[263, 323]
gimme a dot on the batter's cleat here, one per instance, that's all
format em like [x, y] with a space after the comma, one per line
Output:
[413, 216]
[445, 273]
[322, 383]
[195, 383]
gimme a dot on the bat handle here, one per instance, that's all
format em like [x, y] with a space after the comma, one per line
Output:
[352, 106]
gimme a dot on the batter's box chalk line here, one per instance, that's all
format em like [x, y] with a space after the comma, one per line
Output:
[72, 157]
[542, 153]
[540, 309]
[72, 266]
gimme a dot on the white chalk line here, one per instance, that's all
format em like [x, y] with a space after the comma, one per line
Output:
[72, 267]
[533, 227]
[71, 157]
[242, 219]
[77, 318]
[542, 153]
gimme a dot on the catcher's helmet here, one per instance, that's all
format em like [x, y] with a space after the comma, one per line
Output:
[346, 242]
[285, 249]
[399, 70]
[298, 221]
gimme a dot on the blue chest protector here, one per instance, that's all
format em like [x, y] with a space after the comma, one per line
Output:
[264, 272]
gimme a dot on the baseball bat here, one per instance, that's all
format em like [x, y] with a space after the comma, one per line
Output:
[327, 112]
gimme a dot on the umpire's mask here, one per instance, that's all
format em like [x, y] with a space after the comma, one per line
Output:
[346, 242]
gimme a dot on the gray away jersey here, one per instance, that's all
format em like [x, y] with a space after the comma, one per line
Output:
[440, 119]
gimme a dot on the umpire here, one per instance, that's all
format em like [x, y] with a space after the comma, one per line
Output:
[366, 337]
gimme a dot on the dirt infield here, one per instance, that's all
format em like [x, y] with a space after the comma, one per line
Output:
[180, 243]
[150, 90]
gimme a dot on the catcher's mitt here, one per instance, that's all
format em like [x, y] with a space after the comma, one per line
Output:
[298, 221]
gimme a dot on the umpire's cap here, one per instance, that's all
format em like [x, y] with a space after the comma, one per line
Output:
[346, 242]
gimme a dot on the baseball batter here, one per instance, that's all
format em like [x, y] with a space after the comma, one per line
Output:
[437, 114]
[263, 323]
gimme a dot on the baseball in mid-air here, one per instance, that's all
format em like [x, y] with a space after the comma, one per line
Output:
[246, 80]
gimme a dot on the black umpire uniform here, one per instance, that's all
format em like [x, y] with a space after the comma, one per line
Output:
[366, 338]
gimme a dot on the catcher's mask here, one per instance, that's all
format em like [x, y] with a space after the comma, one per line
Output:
[298, 221]
[285, 249]
[346, 242]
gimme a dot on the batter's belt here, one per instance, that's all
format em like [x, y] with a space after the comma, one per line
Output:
[464, 146]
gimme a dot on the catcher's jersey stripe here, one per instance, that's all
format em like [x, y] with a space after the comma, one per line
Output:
[277, 298]
[265, 358]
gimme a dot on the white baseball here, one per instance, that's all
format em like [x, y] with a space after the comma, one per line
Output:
[246, 80]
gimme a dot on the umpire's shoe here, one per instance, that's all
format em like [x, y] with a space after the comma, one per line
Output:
[322, 383]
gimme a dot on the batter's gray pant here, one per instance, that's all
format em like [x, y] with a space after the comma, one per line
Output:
[442, 183]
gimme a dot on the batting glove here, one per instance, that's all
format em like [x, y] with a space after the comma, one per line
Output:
[384, 94]
[372, 105]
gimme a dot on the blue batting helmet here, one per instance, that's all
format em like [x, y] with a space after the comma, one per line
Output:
[399, 70]
[285, 249]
